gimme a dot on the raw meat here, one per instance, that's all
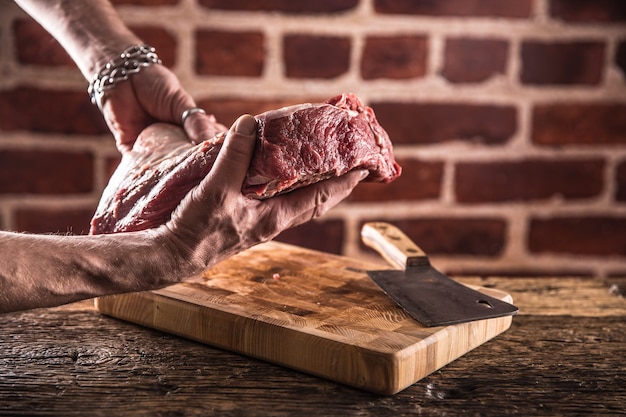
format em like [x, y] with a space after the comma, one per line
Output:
[152, 179]
[297, 146]
[303, 144]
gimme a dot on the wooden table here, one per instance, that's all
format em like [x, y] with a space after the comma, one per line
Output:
[564, 355]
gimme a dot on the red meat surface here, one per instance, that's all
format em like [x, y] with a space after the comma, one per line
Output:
[296, 146]
[303, 144]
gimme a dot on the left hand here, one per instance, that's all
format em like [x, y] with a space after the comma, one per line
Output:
[215, 220]
[154, 94]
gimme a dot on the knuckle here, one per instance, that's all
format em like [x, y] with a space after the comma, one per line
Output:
[322, 198]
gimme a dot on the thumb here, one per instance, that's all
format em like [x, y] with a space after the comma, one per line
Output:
[231, 165]
[226, 176]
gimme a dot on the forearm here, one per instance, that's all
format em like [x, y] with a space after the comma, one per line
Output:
[49, 270]
[90, 31]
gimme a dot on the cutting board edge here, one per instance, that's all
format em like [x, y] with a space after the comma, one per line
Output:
[366, 359]
[447, 336]
[386, 372]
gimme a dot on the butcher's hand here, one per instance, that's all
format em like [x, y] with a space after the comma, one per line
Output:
[215, 220]
[153, 95]
[93, 33]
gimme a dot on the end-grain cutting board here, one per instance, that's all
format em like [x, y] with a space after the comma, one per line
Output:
[307, 310]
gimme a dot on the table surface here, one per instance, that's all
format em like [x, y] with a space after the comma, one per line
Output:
[563, 355]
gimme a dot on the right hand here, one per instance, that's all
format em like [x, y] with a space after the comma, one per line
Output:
[154, 94]
[215, 220]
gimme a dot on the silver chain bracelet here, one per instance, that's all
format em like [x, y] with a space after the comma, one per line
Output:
[131, 61]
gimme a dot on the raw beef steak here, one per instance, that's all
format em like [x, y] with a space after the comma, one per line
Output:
[297, 146]
[303, 144]
[152, 179]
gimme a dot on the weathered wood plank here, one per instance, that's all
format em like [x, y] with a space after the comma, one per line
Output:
[76, 362]
[587, 297]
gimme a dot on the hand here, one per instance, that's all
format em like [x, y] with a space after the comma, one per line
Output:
[215, 220]
[154, 94]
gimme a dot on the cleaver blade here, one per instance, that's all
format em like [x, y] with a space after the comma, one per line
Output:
[426, 294]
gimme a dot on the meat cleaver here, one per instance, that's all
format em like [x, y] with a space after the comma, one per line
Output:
[426, 294]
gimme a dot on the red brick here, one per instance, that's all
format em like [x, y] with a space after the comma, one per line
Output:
[45, 172]
[589, 235]
[231, 54]
[110, 165]
[420, 180]
[423, 123]
[620, 182]
[39, 110]
[475, 8]
[579, 124]
[394, 57]
[226, 110]
[323, 235]
[316, 56]
[620, 57]
[455, 236]
[73, 221]
[585, 11]
[562, 63]
[35, 46]
[285, 6]
[162, 40]
[469, 60]
[527, 180]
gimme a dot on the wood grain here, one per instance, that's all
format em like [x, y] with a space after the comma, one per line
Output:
[71, 361]
[309, 311]
[568, 295]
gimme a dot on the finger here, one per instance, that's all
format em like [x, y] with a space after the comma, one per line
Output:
[119, 109]
[232, 163]
[166, 100]
[223, 180]
[333, 191]
[314, 200]
[200, 127]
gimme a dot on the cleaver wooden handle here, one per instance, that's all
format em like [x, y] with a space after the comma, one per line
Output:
[393, 245]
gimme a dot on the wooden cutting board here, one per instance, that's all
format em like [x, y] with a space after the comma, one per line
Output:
[307, 310]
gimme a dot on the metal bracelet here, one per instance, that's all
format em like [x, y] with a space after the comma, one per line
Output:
[131, 61]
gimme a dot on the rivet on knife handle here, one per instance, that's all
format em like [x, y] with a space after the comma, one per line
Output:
[393, 245]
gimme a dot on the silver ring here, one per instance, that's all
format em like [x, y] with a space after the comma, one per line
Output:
[189, 112]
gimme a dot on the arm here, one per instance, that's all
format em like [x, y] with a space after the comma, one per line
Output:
[212, 223]
[90, 31]
[47, 270]
[93, 33]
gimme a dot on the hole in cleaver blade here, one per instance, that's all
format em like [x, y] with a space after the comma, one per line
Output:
[433, 299]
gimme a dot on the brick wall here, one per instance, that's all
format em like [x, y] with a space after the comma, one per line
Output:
[509, 118]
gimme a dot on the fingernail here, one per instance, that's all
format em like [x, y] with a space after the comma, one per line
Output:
[364, 174]
[246, 125]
